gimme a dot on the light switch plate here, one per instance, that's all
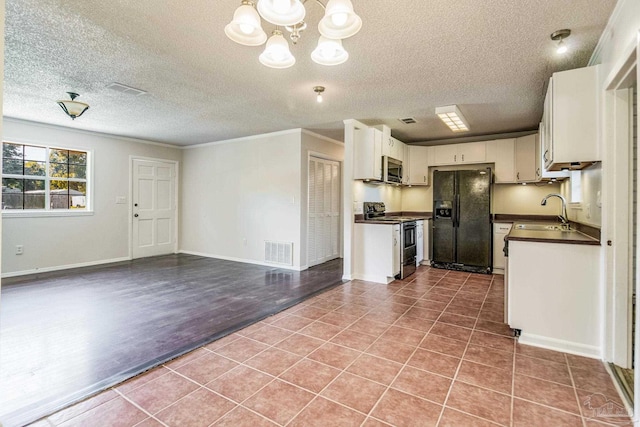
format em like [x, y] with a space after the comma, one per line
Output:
[121, 200]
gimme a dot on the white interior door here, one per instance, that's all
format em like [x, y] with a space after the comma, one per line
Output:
[154, 208]
[324, 211]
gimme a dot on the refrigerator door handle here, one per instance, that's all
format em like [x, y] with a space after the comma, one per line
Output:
[457, 223]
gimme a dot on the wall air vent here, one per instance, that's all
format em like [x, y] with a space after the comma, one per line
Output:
[118, 87]
[408, 120]
[278, 252]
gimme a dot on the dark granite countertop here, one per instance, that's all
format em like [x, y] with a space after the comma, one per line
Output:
[574, 236]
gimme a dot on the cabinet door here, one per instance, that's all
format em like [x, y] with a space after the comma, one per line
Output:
[418, 162]
[396, 249]
[505, 161]
[386, 146]
[426, 230]
[547, 122]
[397, 149]
[367, 154]
[472, 152]
[445, 154]
[419, 242]
[574, 122]
[526, 158]
[500, 230]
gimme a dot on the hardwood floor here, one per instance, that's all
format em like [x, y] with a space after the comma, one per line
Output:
[66, 335]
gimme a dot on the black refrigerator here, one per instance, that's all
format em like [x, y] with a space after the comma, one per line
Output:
[462, 220]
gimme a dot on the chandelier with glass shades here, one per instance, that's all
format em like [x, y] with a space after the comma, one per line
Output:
[339, 22]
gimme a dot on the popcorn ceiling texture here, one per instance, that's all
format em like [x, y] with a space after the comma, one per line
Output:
[492, 58]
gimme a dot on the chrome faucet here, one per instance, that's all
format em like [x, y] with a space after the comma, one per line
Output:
[563, 215]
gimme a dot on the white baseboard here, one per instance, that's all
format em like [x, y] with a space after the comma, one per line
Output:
[578, 349]
[247, 261]
[371, 278]
[498, 271]
[63, 267]
[347, 277]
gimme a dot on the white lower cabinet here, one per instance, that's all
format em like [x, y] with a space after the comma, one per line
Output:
[554, 297]
[377, 252]
[500, 230]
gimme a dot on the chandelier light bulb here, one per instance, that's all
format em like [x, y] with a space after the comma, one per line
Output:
[339, 19]
[282, 12]
[319, 98]
[245, 28]
[277, 54]
[281, 6]
[329, 52]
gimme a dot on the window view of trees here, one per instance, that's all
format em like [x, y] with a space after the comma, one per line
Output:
[43, 177]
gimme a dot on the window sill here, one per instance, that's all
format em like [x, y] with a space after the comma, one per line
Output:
[38, 214]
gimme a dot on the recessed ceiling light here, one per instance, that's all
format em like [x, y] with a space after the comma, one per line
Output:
[453, 118]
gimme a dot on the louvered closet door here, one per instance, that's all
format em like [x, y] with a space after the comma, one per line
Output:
[324, 211]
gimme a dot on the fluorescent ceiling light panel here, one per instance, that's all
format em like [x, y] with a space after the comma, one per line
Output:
[453, 118]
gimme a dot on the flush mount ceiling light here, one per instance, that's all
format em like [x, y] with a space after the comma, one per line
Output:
[339, 22]
[453, 118]
[318, 90]
[73, 108]
[559, 36]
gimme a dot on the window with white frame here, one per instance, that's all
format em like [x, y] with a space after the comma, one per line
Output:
[43, 178]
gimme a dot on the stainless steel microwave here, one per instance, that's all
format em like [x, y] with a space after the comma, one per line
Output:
[391, 170]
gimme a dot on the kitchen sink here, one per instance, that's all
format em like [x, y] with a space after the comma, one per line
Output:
[544, 227]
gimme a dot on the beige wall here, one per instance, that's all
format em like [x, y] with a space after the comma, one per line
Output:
[588, 210]
[525, 199]
[52, 242]
[237, 194]
[391, 195]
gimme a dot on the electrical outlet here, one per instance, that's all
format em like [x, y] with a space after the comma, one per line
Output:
[244, 242]
[19, 249]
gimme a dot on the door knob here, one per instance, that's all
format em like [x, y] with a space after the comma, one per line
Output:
[136, 215]
[135, 204]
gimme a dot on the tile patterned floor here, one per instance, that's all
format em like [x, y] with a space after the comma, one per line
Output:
[431, 350]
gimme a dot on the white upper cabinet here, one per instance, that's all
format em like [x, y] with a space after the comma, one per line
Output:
[445, 154]
[505, 169]
[416, 165]
[471, 152]
[570, 119]
[391, 146]
[527, 150]
[367, 163]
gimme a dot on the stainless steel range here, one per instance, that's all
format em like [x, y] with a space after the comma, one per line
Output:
[375, 211]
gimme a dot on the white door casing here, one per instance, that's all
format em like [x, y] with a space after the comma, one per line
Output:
[618, 187]
[323, 239]
[153, 207]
